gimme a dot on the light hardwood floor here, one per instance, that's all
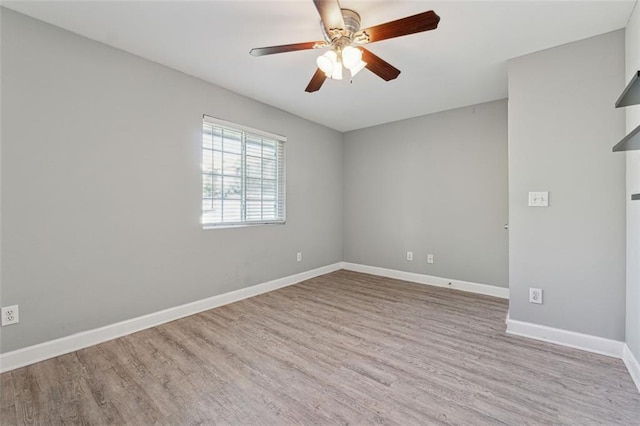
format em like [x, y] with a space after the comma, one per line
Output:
[342, 348]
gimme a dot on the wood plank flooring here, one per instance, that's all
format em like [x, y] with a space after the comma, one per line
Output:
[344, 348]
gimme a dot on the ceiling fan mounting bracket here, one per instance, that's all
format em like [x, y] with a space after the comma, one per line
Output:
[362, 37]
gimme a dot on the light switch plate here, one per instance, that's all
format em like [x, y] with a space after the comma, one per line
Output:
[538, 199]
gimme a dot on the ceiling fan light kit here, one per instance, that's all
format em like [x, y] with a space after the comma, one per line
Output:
[331, 63]
[342, 35]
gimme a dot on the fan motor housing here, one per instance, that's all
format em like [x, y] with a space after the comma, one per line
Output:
[351, 27]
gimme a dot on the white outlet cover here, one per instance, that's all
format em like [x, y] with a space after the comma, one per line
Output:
[10, 315]
[409, 255]
[299, 257]
[429, 258]
[535, 295]
[539, 199]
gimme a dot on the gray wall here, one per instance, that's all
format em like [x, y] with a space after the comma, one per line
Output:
[562, 126]
[100, 184]
[101, 187]
[433, 184]
[632, 46]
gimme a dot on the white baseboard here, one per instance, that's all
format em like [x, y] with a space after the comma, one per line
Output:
[36, 353]
[585, 342]
[632, 365]
[471, 287]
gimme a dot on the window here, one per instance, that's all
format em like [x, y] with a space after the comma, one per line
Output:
[243, 179]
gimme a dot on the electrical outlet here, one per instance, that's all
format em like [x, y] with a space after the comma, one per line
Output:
[535, 295]
[409, 255]
[299, 256]
[10, 315]
[429, 258]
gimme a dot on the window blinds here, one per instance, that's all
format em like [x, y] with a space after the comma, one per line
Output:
[243, 175]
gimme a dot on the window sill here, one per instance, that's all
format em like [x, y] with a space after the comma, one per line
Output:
[240, 225]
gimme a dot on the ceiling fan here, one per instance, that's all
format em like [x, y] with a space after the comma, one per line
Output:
[344, 38]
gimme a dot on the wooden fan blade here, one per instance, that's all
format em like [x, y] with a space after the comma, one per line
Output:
[261, 51]
[410, 25]
[316, 81]
[379, 66]
[330, 13]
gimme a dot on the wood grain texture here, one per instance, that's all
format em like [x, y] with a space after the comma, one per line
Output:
[425, 21]
[341, 348]
[379, 66]
[270, 50]
[316, 81]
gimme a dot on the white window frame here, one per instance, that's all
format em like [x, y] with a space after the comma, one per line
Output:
[280, 170]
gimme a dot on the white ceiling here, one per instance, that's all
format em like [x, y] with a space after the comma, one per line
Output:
[463, 62]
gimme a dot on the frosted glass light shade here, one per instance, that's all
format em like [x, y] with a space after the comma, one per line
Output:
[327, 62]
[351, 56]
[357, 68]
[337, 71]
